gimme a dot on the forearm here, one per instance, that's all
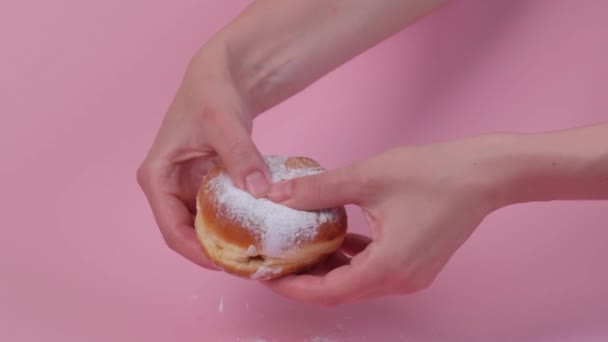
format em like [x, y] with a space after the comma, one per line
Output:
[276, 48]
[562, 165]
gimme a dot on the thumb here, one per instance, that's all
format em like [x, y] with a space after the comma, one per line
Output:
[243, 161]
[321, 191]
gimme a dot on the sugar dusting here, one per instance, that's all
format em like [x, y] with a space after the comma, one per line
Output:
[252, 251]
[278, 227]
[311, 339]
[264, 271]
[321, 339]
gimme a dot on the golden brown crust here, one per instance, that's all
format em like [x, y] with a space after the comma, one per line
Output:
[237, 250]
[222, 226]
[234, 260]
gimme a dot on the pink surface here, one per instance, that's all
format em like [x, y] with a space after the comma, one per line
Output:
[84, 85]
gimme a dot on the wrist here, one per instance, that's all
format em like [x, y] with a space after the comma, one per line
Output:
[256, 78]
[209, 80]
[263, 71]
[509, 170]
[561, 165]
[484, 169]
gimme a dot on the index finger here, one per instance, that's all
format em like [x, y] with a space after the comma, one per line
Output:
[175, 222]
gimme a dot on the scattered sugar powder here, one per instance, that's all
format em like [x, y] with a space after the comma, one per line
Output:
[278, 227]
[252, 251]
[253, 339]
[264, 271]
[321, 339]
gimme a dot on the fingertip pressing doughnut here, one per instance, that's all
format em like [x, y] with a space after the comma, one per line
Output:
[258, 238]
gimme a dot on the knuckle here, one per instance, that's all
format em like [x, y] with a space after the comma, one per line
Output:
[387, 269]
[316, 189]
[399, 287]
[310, 189]
[421, 284]
[208, 115]
[408, 283]
[424, 285]
[330, 302]
[170, 242]
[142, 176]
[240, 150]
[389, 272]
[367, 183]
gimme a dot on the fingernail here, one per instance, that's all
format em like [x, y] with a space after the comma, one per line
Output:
[256, 184]
[280, 191]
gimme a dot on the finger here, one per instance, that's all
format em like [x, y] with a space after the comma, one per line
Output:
[242, 159]
[175, 222]
[193, 171]
[371, 295]
[354, 244]
[324, 190]
[335, 260]
[341, 285]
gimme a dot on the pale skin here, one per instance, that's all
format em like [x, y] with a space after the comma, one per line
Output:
[421, 202]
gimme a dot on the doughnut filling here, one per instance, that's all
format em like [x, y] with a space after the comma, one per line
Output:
[261, 239]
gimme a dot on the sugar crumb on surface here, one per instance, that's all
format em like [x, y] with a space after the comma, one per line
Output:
[252, 251]
[264, 271]
[310, 339]
[321, 339]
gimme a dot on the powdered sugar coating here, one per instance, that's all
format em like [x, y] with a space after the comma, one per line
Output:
[252, 251]
[278, 227]
[264, 272]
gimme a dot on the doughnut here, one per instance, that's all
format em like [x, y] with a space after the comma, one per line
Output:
[256, 238]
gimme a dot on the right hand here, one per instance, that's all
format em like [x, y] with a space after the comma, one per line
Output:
[421, 204]
[207, 123]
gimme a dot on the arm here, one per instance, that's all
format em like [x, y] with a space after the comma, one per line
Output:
[423, 202]
[568, 164]
[276, 48]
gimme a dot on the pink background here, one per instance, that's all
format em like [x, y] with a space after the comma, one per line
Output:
[84, 85]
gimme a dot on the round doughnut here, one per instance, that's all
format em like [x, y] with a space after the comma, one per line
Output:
[260, 239]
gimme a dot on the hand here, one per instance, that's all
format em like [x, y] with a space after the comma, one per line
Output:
[245, 69]
[421, 203]
[207, 122]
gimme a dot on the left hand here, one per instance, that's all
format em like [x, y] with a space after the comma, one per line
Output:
[208, 122]
[421, 203]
